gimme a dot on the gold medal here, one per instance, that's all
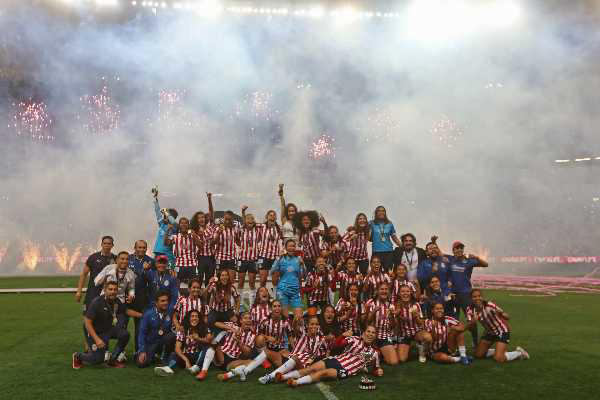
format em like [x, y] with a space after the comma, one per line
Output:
[115, 321]
[160, 332]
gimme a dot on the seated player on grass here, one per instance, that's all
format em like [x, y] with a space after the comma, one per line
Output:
[237, 344]
[444, 334]
[192, 341]
[157, 338]
[311, 347]
[497, 330]
[409, 323]
[104, 320]
[358, 353]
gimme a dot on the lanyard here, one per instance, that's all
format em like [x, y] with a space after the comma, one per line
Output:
[412, 256]
[113, 311]
[160, 280]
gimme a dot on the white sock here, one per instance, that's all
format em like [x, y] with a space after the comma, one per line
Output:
[462, 350]
[420, 349]
[208, 357]
[219, 337]
[490, 353]
[292, 375]
[229, 374]
[455, 359]
[256, 362]
[285, 367]
[238, 370]
[304, 380]
[512, 355]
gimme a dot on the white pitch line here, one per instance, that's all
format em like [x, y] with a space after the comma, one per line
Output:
[326, 391]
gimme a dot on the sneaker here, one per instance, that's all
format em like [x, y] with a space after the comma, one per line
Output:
[194, 370]
[122, 357]
[163, 371]
[107, 356]
[524, 353]
[223, 377]
[292, 383]
[422, 358]
[465, 361]
[202, 375]
[265, 379]
[76, 362]
[279, 377]
[266, 364]
[242, 374]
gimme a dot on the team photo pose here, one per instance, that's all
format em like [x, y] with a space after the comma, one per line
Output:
[191, 343]
[166, 218]
[309, 236]
[139, 261]
[160, 279]
[234, 351]
[273, 335]
[122, 275]
[374, 278]
[310, 347]
[250, 240]
[317, 286]
[261, 308]
[203, 225]
[185, 304]
[223, 299]
[184, 245]
[288, 271]
[224, 237]
[382, 235]
[435, 294]
[357, 353]
[445, 335]
[380, 312]
[288, 213]
[104, 320]
[271, 246]
[399, 279]
[497, 330]
[346, 275]
[409, 255]
[333, 248]
[356, 239]
[435, 264]
[409, 324]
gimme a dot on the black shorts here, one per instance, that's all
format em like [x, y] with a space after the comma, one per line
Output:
[247, 266]
[490, 337]
[226, 264]
[380, 343]
[226, 361]
[444, 349]
[218, 316]
[265, 263]
[332, 362]
[407, 340]
[187, 273]
[363, 266]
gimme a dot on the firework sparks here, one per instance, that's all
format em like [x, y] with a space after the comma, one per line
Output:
[446, 131]
[257, 107]
[100, 113]
[66, 262]
[31, 255]
[382, 125]
[3, 250]
[31, 119]
[169, 103]
[322, 148]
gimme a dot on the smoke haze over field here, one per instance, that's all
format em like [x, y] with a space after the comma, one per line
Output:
[456, 137]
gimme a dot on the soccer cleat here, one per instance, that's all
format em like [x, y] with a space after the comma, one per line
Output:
[223, 377]
[265, 379]
[422, 358]
[292, 383]
[524, 353]
[242, 374]
[279, 377]
[122, 357]
[163, 371]
[465, 361]
[266, 364]
[202, 375]
[76, 363]
[194, 370]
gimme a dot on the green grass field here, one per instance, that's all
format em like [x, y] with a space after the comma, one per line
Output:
[40, 331]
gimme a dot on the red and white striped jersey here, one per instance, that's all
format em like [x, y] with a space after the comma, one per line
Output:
[208, 248]
[408, 323]
[319, 285]
[345, 279]
[258, 313]
[189, 344]
[310, 244]
[309, 349]
[184, 250]
[396, 285]
[275, 328]
[336, 252]
[271, 244]
[490, 317]
[384, 312]
[219, 300]
[357, 247]
[354, 313]
[357, 355]
[233, 341]
[439, 331]
[186, 304]
[225, 246]
[372, 281]
[249, 243]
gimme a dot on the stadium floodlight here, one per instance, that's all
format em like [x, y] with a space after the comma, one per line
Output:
[501, 13]
[209, 8]
[107, 3]
[561, 161]
[316, 12]
[134, 3]
[345, 15]
[583, 159]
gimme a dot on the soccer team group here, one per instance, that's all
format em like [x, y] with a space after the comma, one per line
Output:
[189, 309]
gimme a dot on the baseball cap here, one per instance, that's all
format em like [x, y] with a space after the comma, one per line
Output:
[457, 244]
[161, 258]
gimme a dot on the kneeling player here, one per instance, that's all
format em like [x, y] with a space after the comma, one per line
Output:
[104, 320]
[311, 347]
[238, 341]
[358, 353]
[444, 334]
[497, 330]
[156, 334]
